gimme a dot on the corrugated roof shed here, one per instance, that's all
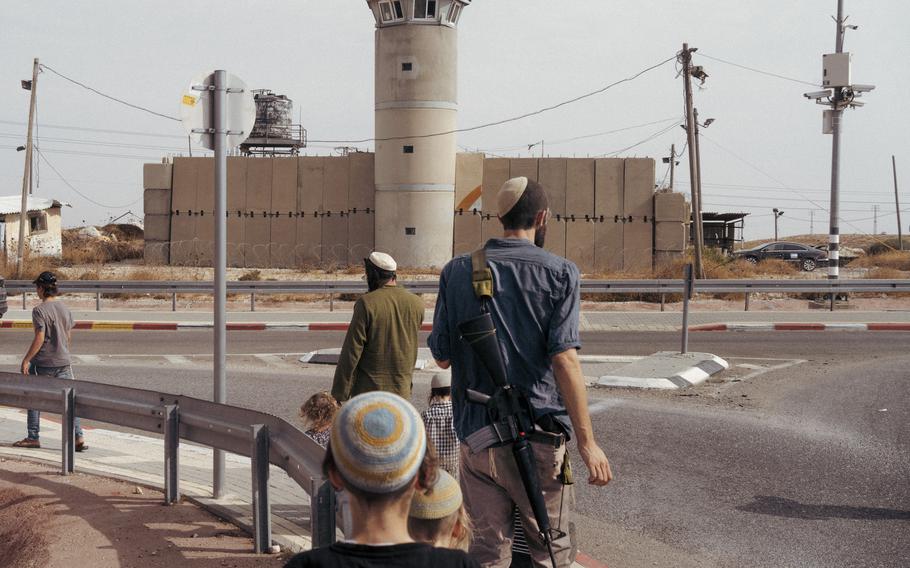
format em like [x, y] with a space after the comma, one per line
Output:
[11, 204]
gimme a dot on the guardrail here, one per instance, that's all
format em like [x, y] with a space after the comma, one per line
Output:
[263, 438]
[333, 287]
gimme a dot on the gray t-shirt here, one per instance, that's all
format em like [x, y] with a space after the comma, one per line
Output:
[56, 320]
[535, 309]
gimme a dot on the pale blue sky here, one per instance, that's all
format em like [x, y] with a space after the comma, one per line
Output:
[515, 56]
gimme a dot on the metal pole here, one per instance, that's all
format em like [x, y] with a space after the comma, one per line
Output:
[776, 216]
[97, 301]
[701, 232]
[687, 293]
[262, 518]
[322, 512]
[174, 302]
[836, 113]
[897, 205]
[672, 165]
[219, 98]
[27, 175]
[693, 169]
[68, 438]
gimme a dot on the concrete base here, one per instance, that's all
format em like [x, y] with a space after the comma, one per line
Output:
[665, 370]
[330, 357]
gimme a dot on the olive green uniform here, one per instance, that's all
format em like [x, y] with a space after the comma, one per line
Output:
[380, 348]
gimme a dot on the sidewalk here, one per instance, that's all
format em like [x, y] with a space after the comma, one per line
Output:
[140, 459]
[337, 320]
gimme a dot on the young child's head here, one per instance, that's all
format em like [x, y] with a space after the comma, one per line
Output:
[438, 516]
[440, 387]
[318, 411]
[378, 452]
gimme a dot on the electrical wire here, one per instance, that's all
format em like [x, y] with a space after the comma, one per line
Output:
[753, 69]
[640, 142]
[86, 197]
[97, 92]
[99, 130]
[511, 119]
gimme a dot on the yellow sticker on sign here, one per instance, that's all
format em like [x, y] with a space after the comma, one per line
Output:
[189, 100]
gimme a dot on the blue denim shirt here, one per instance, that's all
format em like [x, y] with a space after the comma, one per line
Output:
[535, 310]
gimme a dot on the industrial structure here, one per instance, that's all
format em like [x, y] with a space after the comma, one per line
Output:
[273, 133]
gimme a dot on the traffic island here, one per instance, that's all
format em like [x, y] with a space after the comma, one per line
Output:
[665, 370]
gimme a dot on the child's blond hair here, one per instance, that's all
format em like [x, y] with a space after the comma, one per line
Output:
[319, 410]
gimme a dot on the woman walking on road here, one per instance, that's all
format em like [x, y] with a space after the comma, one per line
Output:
[49, 353]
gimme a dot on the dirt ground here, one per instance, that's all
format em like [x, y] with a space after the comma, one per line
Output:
[49, 520]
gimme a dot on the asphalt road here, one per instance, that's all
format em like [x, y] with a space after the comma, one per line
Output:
[802, 461]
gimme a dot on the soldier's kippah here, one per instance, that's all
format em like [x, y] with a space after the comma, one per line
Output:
[439, 502]
[509, 194]
[383, 261]
[378, 442]
[441, 380]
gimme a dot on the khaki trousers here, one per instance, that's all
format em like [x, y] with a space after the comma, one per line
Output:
[491, 484]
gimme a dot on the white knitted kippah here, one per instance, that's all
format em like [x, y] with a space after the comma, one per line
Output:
[383, 261]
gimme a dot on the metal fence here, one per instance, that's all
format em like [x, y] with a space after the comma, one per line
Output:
[264, 438]
[334, 287]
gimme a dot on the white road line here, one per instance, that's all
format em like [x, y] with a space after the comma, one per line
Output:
[177, 360]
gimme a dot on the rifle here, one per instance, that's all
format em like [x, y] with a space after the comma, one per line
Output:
[512, 418]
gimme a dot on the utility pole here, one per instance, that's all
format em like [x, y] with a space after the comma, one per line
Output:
[698, 176]
[777, 215]
[673, 166]
[897, 204]
[685, 57]
[811, 221]
[875, 219]
[26, 176]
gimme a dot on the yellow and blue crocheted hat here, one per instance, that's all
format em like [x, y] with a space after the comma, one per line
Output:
[443, 500]
[378, 442]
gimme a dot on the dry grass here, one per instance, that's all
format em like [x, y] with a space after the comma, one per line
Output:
[23, 522]
[892, 259]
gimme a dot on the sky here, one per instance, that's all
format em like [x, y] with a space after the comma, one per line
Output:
[764, 149]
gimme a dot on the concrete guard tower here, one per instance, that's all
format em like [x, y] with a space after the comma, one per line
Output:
[416, 99]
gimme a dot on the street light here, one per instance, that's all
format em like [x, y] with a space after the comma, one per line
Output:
[777, 214]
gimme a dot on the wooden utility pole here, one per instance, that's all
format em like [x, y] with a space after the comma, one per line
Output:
[686, 59]
[672, 165]
[897, 204]
[26, 176]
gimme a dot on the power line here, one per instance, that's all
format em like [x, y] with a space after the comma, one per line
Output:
[753, 69]
[99, 130]
[98, 143]
[640, 142]
[507, 120]
[69, 185]
[115, 99]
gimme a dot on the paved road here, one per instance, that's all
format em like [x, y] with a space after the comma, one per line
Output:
[798, 458]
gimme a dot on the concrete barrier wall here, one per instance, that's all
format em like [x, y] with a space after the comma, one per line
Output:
[294, 212]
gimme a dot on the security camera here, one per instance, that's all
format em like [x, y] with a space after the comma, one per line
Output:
[863, 88]
[817, 94]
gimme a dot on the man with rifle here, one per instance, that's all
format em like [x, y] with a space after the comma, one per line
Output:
[506, 322]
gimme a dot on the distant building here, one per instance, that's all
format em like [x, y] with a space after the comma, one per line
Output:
[44, 232]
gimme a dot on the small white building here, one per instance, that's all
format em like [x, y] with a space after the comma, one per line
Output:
[44, 232]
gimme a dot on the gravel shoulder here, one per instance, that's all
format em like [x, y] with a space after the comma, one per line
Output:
[83, 520]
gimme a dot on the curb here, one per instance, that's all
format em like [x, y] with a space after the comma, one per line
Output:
[174, 326]
[802, 327]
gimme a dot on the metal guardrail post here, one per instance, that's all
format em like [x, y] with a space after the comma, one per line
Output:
[662, 300]
[262, 517]
[24, 294]
[687, 294]
[174, 302]
[97, 301]
[171, 420]
[68, 437]
[322, 512]
[332, 302]
[833, 299]
[252, 301]
[747, 301]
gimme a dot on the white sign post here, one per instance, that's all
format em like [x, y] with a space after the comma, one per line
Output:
[217, 125]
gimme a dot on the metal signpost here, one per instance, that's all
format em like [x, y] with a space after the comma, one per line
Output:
[217, 125]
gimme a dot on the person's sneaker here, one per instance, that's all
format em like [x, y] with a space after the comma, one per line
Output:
[27, 443]
[80, 444]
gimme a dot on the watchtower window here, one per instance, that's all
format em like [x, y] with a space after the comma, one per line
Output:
[391, 11]
[454, 12]
[424, 9]
[408, 66]
[408, 149]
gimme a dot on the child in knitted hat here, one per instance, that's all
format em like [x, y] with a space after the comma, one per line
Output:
[378, 455]
[438, 421]
[438, 516]
[317, 414]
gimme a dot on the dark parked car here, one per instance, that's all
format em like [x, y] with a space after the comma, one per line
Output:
[808, 258]
[2, 297]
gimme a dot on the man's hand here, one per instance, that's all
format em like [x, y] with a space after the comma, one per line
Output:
[598, 465]
[24, 366]
[443, 364]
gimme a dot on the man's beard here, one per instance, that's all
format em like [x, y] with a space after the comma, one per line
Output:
[540, 236]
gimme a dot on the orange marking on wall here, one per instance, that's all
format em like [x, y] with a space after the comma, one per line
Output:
[470, 199]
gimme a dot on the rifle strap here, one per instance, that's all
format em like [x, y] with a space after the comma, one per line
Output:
[481, 276]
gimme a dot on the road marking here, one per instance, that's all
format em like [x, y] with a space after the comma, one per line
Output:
[177, 360]
[604, 404]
